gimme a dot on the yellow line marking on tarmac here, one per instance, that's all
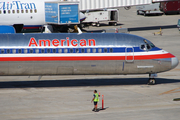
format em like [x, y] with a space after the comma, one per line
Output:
[171, 91]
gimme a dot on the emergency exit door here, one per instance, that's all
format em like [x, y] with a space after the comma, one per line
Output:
[129, 54]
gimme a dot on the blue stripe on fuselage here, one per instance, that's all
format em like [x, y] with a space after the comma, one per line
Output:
[72, 50]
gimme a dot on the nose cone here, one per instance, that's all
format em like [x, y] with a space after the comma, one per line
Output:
[82, 16]
[174, 62]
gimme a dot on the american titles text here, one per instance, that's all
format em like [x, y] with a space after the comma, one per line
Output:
[63, 42]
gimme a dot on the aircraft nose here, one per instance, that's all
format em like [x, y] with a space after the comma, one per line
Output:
[174, 62]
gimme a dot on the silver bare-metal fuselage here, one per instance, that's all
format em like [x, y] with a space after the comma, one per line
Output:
[83, 54]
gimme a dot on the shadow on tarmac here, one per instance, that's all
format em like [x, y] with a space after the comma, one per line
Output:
[152, 28]
[100, 109]
[139, 28]
[104, 25]
[83, 82]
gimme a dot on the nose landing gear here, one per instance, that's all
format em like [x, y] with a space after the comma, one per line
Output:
[152, 80]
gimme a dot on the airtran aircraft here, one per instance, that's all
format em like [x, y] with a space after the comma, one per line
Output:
[82, 54]
[25, 15]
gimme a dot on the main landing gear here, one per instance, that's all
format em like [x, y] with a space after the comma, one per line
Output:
[152, 80]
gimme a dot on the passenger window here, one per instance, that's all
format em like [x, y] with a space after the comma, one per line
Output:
[37, 50]
[25, 50]
[4, 11]
[111, 50]
[26, 11]
[35, 11]
[65, 50]
[14, 51]
[60, 50]
[31, 11]
[105, 50]
[88, 50]
[42, 51]
[77, 50]
[19, 51]
[9, 11]
[22, 11]
[2, 51]
[48, 50]
[0, 11]
[54, 50]
[13, 11]
[8, 51]
[82, 50]
[17, 11]
[99, 50]
[94, 50]
[71, 50]
[31, 50]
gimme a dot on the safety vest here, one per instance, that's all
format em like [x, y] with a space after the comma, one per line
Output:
[96, 99]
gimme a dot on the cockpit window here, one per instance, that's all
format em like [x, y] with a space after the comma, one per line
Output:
[152, 45]
[147, 46]
[143, 47]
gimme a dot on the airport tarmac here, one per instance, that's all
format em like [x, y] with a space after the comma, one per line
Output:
[125, 97]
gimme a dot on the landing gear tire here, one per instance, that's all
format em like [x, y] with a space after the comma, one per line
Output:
[98, 24]
[82, 25]
[144, 14]
[115, 24]
[138, 12]
[151, 81]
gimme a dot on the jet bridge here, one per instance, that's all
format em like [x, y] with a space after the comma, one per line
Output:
[101, 4]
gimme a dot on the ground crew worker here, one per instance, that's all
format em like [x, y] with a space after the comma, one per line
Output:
[96, 100]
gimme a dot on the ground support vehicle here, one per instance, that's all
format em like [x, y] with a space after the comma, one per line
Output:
[94, 18]
[152, 9]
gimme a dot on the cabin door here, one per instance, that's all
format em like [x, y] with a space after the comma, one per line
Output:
[129, 54]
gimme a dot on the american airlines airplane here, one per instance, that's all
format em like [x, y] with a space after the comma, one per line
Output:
[82, 54]
[25, 15]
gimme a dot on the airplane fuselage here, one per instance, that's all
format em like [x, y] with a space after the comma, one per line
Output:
[81, 54]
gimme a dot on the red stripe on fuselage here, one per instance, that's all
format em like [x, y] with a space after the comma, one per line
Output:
[160, 56]
[79, 58]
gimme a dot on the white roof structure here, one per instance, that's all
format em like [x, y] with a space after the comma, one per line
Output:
[101, 4]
